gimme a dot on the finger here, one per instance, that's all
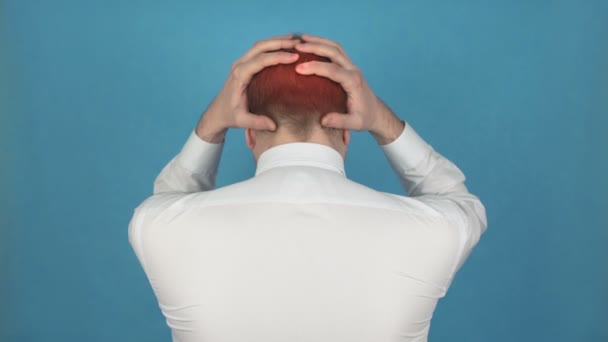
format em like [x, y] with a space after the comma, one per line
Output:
[317, 39]
[340, 121]
[268, 45]
[285, 36]
[245, 71]
[329, 70]
[257, 122]
[336, 55]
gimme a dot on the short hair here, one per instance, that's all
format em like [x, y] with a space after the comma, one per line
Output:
[292, 100]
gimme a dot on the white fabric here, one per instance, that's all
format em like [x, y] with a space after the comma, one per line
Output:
[300, 253]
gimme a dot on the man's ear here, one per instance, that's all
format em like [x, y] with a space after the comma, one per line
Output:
[346, 137]
[250, 137]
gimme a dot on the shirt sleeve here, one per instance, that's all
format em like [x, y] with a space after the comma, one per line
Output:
[193, 169]
[431, 178]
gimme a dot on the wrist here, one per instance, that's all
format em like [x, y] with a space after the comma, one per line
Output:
[389, 126]
[210, 132]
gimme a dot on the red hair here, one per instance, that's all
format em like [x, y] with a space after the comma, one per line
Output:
[295, 100]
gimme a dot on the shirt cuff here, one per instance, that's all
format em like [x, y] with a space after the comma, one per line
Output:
[408, 150]
[200, 156]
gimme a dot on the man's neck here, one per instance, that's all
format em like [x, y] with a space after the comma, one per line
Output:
[268, 140]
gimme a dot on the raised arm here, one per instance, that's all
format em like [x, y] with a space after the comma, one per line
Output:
[194, 169]
[433, 179]
[424, 173]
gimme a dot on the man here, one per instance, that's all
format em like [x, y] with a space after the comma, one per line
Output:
[299, 252]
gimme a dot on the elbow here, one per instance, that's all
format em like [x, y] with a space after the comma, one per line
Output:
[160, 186]
[480, 209]
[132, 229]
[480, 223]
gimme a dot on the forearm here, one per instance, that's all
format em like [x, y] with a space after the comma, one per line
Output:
[421, 169]
[388, 126]
[195, 167]
[209, 130]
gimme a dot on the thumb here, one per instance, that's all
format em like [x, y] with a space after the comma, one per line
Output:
[259, 122]
[336, 120]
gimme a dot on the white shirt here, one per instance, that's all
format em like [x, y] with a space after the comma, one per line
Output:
[300, 253]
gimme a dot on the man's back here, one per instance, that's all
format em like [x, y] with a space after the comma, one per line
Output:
[300, 252]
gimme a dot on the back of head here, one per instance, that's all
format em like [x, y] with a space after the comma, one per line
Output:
[295, 102]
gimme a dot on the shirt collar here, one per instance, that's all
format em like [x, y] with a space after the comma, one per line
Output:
[301, 153]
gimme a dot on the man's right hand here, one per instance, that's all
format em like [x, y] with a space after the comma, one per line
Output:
[229, 108]
[366, 112]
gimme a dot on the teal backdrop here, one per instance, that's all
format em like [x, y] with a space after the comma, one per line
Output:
[97, 96]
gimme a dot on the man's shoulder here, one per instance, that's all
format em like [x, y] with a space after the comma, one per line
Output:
[336, 191]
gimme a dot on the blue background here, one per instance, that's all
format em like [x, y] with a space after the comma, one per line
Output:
[98, 96]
